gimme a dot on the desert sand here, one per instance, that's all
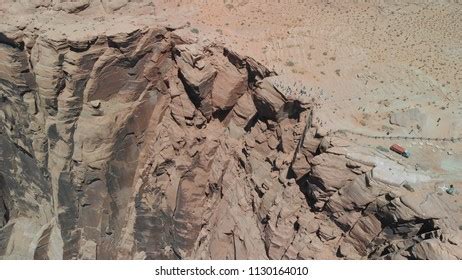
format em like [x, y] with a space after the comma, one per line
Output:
[230, 129]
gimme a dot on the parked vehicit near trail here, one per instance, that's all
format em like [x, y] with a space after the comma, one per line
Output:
[400, 150]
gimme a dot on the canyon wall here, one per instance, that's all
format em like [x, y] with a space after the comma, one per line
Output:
[138, 144]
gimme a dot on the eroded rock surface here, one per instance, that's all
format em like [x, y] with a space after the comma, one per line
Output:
[138, 144]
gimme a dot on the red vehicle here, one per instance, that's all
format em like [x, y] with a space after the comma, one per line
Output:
[400, 150]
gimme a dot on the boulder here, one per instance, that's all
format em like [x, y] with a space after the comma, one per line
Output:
[410, 118]
[229, 85]
[269, 101]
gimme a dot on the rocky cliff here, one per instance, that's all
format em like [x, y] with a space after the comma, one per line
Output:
[134, 143]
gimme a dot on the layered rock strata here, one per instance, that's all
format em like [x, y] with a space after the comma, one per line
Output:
[141, 145]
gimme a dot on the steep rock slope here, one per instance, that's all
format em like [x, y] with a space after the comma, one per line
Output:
[139, 144]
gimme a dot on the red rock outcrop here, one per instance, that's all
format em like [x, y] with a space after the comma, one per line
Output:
[139, 144]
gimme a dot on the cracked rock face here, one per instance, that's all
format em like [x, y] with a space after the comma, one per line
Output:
[139, 144]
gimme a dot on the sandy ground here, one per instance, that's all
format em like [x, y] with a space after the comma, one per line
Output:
[364, 61]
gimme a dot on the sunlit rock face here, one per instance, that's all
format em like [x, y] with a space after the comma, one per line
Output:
[135, 142]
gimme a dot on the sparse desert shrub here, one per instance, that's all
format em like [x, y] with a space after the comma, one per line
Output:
[382, 149]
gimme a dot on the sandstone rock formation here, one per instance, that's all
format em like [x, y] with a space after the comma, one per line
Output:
[141, 144]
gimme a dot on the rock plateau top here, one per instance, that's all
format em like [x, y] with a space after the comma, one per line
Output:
[230, 129]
